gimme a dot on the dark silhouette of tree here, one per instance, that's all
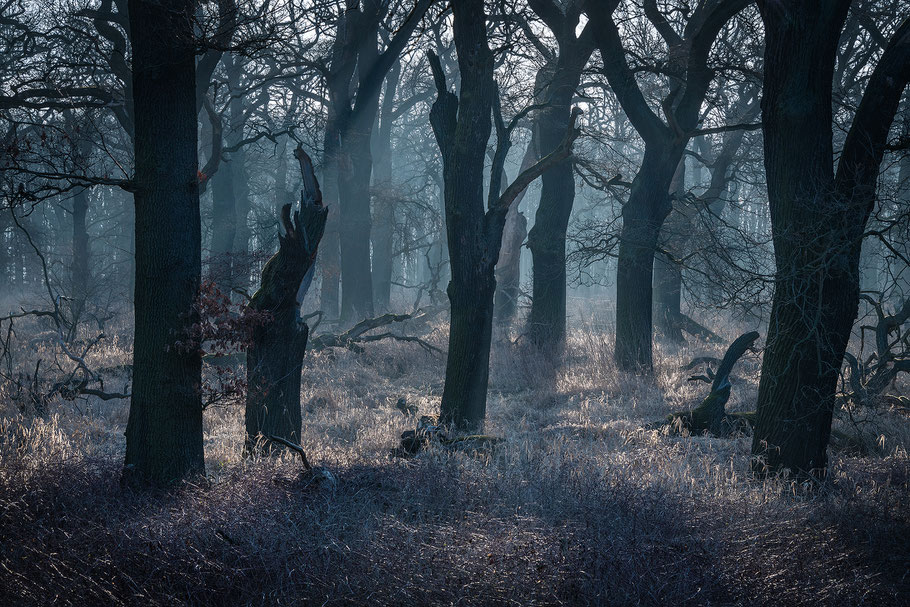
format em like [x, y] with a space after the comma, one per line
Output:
[164, 432]
[547, 238]
[649, 202]
[275, 356]
[818, 219]
[462, 125]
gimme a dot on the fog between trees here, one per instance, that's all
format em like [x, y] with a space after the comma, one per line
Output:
[206, 206]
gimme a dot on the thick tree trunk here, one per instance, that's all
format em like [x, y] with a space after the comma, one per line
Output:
[274, 365]
[355, 225]
[668, 299]
[275, 357]
[384, 198]
[464, 398]
[164, 431]
[547, 238]
[474, 232]
[817, 222]
[648, 205]
[462, 129]
[642, 216]
[383, 236]
[815, 301]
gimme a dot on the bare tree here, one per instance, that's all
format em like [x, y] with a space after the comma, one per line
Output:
[462, 126]
[649, 204]
[164, 431]
[818, 219]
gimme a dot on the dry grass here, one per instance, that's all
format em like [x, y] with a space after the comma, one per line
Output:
[580, 504]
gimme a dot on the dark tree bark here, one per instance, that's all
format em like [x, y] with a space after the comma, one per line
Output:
[668, 273]
[81, 272]
[508, 268]
[384, 199]
[330, 260]
[5, 257]
[238, 111]
[462, 128]
[80, 269]
[355, 111]
[164, 431]
[547, 238]
[224, 227]
[275, 356]
[817, 220]
[648, 204]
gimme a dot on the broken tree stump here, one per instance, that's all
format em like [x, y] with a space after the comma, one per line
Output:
[710, 415]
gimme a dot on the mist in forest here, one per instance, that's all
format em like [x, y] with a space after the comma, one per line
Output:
[437, 302]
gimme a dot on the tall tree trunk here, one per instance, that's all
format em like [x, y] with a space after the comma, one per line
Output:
[648, 205]
[814, 302]
[817, 220]
[355, 224]
[667, 273]
[383, 233]
[547, 238]
[164, 431]
[224, 227]
[81, 269]
[5, 257]
[240, 250]
[642, 216]
[474, 234]
[241, 272]
[384, 198]
[508, 270]
[668, 299]
[330, 260]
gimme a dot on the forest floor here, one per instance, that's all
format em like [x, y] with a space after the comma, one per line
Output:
[582, 503]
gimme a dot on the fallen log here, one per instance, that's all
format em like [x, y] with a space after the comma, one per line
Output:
[696, 329]
[357, 335]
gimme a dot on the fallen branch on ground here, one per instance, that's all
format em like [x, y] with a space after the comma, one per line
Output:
[356, 335]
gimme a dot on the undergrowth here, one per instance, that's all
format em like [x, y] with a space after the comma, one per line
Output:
[583, 503]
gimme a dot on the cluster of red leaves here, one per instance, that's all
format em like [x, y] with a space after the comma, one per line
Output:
[223, 328]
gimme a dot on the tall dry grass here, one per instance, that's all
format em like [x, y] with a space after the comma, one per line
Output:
[581, 504]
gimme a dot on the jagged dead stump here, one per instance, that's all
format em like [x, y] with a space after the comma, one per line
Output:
[275, 355]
